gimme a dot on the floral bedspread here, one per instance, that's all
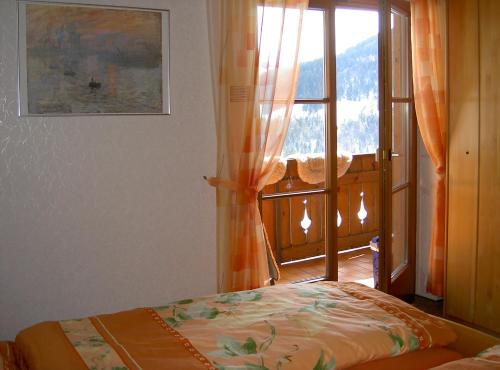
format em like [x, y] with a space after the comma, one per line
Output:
[320, 326]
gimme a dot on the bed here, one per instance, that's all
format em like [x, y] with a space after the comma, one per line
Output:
[320, 326]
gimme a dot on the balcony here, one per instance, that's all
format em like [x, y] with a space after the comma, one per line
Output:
[296, 225]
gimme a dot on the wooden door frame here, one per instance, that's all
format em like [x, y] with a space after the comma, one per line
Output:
[403, 283]
[331, 266]
[385, 143]
[332, 262]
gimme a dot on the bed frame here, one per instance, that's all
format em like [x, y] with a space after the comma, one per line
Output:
[470, 341]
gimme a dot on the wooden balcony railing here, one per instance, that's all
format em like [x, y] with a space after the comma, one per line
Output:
[282, 217]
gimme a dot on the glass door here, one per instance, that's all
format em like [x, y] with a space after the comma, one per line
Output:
[403, 158]
[296, 204]
[357, 81]
[341, 203]
[398, 156]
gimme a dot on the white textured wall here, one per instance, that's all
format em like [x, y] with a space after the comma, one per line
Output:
[425, 203]
[106, 213]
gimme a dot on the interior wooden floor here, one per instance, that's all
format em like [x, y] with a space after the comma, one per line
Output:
[353, 266]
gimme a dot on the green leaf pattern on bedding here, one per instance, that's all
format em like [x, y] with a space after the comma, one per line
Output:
[313, 291]
[321, 365]
[195, 311]
[230, 347]
[92, 347]
[319, 304]
[397, 344]
[237, 297]
[301, 326]
[413, 342]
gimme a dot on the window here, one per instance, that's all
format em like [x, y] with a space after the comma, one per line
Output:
[306, 133]
[356, 41]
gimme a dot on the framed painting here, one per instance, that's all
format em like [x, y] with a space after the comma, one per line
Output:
[79, 59]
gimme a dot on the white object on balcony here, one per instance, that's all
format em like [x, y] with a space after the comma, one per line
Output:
[306, 221]
[278, 169]
[362, 213]
[339, 219]
[311, 168]
[344, 161]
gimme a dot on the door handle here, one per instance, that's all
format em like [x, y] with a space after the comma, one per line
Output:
[392, 154]
[386, 154]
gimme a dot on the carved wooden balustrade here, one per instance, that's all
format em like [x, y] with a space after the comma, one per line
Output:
[357, 190]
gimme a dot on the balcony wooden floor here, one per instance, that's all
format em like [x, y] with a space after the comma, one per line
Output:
[353, 266]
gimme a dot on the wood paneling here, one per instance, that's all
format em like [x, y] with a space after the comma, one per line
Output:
[462, 158]
[473, 274]
[487, 305]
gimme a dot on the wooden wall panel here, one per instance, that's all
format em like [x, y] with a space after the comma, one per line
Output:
[487, 312]
[463, 72]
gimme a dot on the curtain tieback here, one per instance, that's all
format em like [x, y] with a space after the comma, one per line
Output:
[232, 186]
[441, 172]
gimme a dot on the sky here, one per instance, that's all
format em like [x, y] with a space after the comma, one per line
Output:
[51, 22]
[351, 26]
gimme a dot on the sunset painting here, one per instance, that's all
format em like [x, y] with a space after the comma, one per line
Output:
[83, 59]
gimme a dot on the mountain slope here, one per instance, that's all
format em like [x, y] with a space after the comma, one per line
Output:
[357, 73]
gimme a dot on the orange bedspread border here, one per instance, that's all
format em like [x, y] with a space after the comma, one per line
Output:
[181, 339]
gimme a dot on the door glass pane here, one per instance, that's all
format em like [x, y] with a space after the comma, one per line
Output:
[400, 143]
[399, 50]
[306, 133]
[312, 57]
[296, 230]
[399, 230]
[356, 46]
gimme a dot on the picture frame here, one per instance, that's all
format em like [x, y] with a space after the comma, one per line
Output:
[86, 59]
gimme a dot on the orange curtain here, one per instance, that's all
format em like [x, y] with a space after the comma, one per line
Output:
[254, 47]
[427, 37]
